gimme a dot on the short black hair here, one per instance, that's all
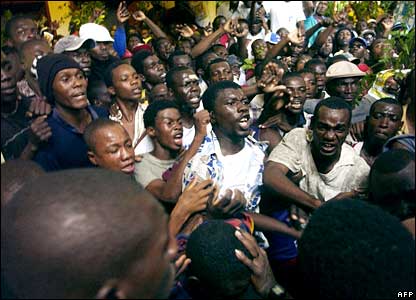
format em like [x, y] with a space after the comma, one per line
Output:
[351, 249]
[29, 43]
[211, 248]
[158, 41]
[152, 110]
[176, 53]
[289, 75]
[199, 62]
[213, 47]
[93, 127]
[210, 96]
[183, 40]
[313, 62]
[333, 103]
[134, 35]
[302, 72]
[108, 73]
[217, 21]
[170, 76]
[93, 88]
[387, 101]
[138, 60]
[391, 189]
[10, 23]
[207, 72]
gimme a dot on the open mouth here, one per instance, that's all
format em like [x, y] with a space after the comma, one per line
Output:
[8, 89]
[195, 101]
[80, 94]
[129, 169]
[327, 147]
[177, 138]
[296, 105]
[245, 122]
[137, 91]
[163, 76]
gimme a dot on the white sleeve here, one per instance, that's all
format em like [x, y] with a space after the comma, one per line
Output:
[289, 151]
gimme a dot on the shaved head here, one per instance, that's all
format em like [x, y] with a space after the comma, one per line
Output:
[67, 234]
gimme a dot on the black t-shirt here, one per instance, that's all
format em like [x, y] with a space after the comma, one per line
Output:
[98, 68]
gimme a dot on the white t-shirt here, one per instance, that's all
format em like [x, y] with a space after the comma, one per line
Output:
[261, 35]
[284, 14]
[235, 172]
[188, 136]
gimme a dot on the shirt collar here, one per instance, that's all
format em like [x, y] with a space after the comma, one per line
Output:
[63, 123]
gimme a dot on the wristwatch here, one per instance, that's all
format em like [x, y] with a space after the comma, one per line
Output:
[277, 292]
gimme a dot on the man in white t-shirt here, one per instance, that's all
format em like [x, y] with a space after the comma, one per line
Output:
[287, 14]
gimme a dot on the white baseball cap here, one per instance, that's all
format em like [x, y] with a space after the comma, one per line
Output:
[72, 43]
[96, 32]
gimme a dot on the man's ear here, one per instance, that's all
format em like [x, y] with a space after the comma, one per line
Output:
[111, 90]
[109, 290]
[170, 91]
[312, 121]
[92, 158]
[9, 42]
[151, 132]
[141, 77]
[212, 116]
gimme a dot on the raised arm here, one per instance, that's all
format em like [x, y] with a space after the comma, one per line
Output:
[206, 42]
[122, 15]
[293, 37]
[157, 31]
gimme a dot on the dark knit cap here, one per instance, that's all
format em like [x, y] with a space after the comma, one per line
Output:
[47, 67]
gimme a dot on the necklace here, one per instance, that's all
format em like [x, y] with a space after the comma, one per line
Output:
[118, 114]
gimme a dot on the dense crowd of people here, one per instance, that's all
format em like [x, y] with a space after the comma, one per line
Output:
[243, 160]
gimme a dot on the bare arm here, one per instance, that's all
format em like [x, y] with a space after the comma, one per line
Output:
[276, 179]
[173, 187]
[192, 200]
[206, 42]
[266, 223]
[275, 50]
[157, 31]
[323, 36]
